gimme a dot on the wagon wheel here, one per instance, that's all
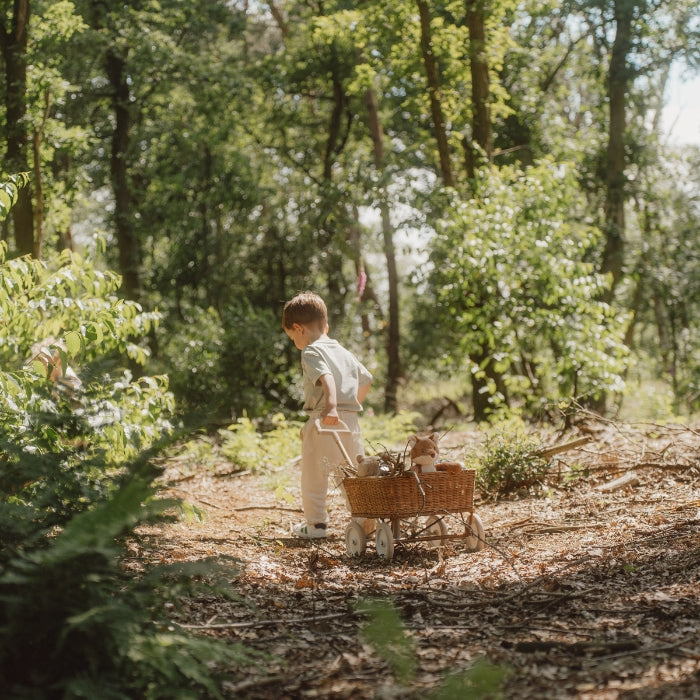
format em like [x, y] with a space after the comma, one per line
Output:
[475, 535]
[355, 539]
[385, 540]
[435, 527]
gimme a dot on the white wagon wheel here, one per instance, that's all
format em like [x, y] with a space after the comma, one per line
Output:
[355, 539]
[475, 536]
[435, 527]
[385, 540]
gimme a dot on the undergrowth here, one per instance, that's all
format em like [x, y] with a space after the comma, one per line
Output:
[509, 460]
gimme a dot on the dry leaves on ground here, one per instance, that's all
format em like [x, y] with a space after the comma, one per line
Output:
[581, 592]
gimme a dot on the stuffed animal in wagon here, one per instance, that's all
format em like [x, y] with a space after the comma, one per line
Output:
[368, 466]
[424, 454]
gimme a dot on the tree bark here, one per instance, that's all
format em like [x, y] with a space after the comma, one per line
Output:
[13, 43]
[38, 183]
[482, 130]
[129, 254]
[393, 330]
[615, 182]
[433, 79]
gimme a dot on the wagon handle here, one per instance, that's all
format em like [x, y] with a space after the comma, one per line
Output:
[339, 427]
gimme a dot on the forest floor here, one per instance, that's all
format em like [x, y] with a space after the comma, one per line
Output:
[582, 590]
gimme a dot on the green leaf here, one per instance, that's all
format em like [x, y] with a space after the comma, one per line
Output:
[74, 342]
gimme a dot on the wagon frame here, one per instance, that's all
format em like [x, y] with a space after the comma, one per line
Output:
[409, 508]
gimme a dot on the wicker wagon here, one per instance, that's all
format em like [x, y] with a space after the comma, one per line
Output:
[408, 507]
[412, 508]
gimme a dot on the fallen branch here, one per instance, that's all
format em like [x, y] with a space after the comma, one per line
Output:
[547, 452]
[628, 479]
[595, 648]
[262, 623]
[650, 650]
[550, 529]
[280, 508]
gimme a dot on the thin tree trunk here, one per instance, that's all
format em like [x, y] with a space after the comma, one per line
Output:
[367, 297]
[334, 145]
[431, 74]
[38, 185]
[482, 130]
[618, 79]
[482, 133]
[129, 256]
[13, 44]
[393, 331]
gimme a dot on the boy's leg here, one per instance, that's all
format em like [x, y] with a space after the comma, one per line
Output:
[314, 475]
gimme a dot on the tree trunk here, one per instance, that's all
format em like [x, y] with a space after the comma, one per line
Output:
[38, 184]
[618, 79]
[129, 255]
[13, 44]
[482, 134]
[431, 74]
[334, 145]
[482, 131]
[393, 331]
[366, 298]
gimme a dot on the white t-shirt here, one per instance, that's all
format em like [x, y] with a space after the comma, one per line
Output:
[328, 356]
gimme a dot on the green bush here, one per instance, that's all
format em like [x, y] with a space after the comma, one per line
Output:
[250, 448]
[77, 476]
[74, 624]
[508, 461]
[233, 364]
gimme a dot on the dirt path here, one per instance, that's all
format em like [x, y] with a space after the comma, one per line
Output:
[579, 593]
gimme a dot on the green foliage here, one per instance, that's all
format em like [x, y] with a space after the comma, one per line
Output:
[9, 189]
[483, 680]
[509, 460]
[249, 448]
[509, 283]
[74, 624]
[77, 476]
[233, 364]
[387, 635]
[384, 430]
[385, 632]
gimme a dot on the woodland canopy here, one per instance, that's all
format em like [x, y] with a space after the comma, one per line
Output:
[479, 190]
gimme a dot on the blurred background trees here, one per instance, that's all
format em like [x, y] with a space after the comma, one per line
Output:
[483, 191]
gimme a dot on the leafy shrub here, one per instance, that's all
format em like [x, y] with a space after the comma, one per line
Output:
[249, 448]
[74, 624]
[233, 364]
[508, 461]
[511, 285]
[75, 479]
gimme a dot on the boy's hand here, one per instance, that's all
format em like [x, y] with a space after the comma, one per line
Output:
[331, 418]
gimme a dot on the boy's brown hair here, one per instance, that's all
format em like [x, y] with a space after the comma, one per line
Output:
[305, 308]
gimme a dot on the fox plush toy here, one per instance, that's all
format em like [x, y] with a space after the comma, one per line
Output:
[424, 454]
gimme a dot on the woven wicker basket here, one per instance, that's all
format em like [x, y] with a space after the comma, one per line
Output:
[407, 495]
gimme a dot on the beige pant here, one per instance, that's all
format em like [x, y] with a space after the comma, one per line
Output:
[320, 458]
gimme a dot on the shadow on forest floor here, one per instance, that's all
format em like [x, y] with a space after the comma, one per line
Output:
[580, 594]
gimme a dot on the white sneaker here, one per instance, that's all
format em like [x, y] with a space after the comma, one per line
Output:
[309, 532]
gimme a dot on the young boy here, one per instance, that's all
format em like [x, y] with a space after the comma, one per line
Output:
[335, 385]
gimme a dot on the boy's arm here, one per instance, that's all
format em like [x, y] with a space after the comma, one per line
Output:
[329, 415]
[362, 391]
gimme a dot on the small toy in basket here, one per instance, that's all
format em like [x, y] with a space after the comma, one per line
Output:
[424, 454]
